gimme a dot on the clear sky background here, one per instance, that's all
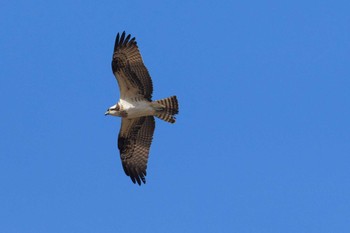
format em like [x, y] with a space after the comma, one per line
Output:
[262, 139]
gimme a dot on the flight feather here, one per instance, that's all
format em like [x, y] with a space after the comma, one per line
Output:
[127, 66]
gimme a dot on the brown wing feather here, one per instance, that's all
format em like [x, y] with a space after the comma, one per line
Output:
[134, 141]
[127, 65]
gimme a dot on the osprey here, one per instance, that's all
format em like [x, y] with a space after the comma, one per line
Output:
[136, 107]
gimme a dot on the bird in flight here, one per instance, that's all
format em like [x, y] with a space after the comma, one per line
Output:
[136, 107]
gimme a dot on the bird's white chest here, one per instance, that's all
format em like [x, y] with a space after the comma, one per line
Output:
[136, 108]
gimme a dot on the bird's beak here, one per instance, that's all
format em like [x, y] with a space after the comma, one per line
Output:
[106, 113]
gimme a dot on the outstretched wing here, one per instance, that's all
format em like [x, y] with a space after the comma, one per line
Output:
[134, 141]
[128, 68]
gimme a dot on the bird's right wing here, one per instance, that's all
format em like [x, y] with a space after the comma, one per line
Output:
[134, 141]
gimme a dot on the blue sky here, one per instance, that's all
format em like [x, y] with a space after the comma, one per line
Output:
[261, 143]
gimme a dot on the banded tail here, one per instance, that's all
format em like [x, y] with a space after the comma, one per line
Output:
[167, 109]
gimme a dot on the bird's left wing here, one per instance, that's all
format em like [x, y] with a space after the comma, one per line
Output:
[134, 141]
[128, 68]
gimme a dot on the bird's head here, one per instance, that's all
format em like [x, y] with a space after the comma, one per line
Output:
[114, 110]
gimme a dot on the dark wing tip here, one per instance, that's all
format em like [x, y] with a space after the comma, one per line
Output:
[134, 174]
[137, 177]
[123, 41]
[116, 42]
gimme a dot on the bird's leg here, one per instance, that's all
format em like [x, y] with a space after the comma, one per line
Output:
[158, 107]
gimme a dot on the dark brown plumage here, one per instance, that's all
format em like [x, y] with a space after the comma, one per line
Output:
[134, 142]
[127, 66]
[136, 107]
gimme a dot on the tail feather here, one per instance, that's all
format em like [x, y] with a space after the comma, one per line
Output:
[169, 108]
